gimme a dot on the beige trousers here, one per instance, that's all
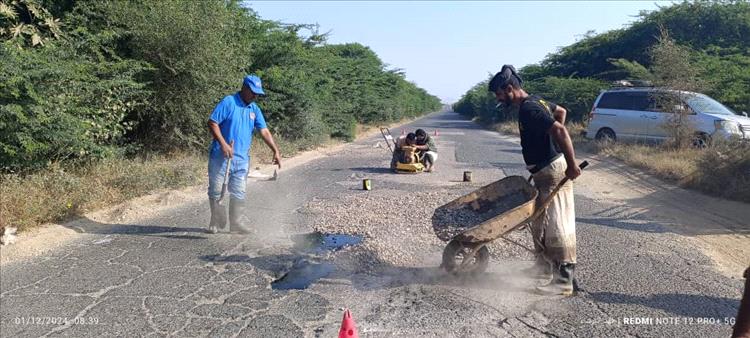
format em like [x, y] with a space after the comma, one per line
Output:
[556, 228]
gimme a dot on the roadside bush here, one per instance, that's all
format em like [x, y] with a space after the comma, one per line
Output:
[56, 104]
[673, 68]
[87, 85]
[199, 51]
[575, 94]
[480, 103]
[289, 107]
[99, 78]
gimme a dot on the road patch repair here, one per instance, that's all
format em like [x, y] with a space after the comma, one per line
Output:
[304, 272]
[324, 245]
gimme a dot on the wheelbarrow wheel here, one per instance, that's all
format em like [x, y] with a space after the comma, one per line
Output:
[455, 254]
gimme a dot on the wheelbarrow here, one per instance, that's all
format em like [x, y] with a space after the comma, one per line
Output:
[493, 211]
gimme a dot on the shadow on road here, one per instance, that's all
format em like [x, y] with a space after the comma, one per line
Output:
[373, 170]
[691, 306]
[683, 212]
[651, 227]
[88, 226]
[510, 151]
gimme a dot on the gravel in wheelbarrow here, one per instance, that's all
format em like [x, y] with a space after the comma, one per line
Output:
[449, 222]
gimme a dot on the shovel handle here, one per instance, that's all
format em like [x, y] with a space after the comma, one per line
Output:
[226, 179]
[386, 135]
[226, 172]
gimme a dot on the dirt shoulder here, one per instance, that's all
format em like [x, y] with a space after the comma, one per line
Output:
[719, 227]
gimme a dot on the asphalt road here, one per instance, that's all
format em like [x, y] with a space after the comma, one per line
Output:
[164, 276]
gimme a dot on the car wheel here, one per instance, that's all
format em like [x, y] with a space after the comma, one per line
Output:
[606, 135]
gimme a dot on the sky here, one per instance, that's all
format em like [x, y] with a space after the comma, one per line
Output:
[446, 47]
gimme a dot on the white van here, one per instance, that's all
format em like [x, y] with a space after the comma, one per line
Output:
[631, 113]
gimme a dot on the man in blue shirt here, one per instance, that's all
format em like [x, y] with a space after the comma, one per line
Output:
[231, 124]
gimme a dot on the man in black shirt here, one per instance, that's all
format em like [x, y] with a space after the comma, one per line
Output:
[542, 126]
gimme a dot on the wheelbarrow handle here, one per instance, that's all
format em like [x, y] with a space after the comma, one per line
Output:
[541, 208]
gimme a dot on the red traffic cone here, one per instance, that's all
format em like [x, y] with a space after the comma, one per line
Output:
[348, 328]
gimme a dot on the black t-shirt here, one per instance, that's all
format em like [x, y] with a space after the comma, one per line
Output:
[534, 122]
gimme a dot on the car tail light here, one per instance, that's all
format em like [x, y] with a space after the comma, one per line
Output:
[591, 113]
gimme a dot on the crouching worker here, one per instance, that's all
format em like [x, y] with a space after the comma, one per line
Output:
[404, 150]
[427, 150]
[542, 126]
[231, 124]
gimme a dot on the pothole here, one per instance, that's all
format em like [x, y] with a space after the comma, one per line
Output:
[305, 272]
[302, 275]
[317, 242]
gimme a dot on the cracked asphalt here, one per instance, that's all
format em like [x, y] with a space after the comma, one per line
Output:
[640, 274]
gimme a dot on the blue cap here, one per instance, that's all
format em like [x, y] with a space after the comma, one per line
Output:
[253, 82]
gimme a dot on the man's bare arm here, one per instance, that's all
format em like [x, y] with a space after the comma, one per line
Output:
[562, 138]
[226, 148]
[559, 114]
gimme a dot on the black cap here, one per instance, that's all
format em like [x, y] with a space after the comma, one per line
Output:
[506, 76]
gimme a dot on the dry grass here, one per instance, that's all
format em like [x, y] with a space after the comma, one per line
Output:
[58, 193]
[722, 170]
[674, 165]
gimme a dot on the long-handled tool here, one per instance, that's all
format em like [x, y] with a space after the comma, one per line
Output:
[226, 180]
[388, 138]
[226, 176]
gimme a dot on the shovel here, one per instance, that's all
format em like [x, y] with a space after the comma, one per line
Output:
[226, 178]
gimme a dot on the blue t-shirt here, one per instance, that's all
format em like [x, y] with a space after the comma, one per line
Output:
[236, 121]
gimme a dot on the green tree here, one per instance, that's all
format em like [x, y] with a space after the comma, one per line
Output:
[27, 23]
[58, 104]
